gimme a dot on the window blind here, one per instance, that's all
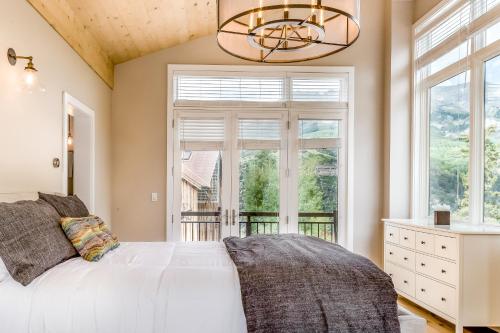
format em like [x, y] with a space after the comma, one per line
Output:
[259, 133]
[454, 23]
[203, 132]
[319, 89]
[230, 89]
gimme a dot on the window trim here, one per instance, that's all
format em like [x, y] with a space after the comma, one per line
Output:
[348, 228]
[473, 62]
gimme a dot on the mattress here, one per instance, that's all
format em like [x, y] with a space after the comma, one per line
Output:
[139, 287]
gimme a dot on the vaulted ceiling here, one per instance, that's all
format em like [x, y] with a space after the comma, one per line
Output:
[109, 32]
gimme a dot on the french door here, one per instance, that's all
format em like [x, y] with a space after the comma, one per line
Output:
[240, 173]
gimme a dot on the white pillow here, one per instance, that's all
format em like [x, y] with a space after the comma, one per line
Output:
[4, 273]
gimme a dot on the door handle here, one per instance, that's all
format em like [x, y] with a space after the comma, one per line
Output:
[227, 216]
[234, 216]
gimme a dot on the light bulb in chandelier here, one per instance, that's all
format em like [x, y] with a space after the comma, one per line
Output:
[287, 30]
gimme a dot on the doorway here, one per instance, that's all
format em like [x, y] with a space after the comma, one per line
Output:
[241, 173]
[78, 150]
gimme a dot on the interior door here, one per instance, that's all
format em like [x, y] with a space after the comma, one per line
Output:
[259, 167]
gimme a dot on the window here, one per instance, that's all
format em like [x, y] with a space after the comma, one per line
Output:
[455, 136]
[258, 153]
[449, 126]
[492, 140]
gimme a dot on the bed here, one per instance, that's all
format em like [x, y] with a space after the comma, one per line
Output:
[138, 287]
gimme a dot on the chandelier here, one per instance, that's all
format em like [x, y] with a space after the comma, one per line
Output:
[281, 31]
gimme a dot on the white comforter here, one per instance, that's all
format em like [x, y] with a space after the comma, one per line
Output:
[139, 287]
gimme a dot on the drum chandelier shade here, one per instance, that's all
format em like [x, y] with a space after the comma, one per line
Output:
[283, 31]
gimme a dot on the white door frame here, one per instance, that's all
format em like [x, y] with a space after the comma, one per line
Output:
[70, 104]
[347, 239]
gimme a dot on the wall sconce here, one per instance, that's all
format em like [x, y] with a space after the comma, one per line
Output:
[30, 81]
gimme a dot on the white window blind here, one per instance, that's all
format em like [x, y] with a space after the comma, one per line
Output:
[319, 89]
[202, 133]
[259, 133]
[224, 89]
[450, 26]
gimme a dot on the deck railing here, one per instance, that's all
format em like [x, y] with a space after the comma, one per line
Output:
[205, 226]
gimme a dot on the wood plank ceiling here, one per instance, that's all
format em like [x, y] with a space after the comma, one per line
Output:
[108, 32]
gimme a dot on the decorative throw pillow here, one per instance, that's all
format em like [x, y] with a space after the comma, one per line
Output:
[90, 236]
[70, 206]
[31, 240]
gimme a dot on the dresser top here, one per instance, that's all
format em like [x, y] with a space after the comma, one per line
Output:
[454, 227]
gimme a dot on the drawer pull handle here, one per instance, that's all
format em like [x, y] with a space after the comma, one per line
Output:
[391, 234]
[443, 271]
[422, 264]
[405, 281]
[390, 253]
[443, 299]
[422, 242]
[405, 238]
[422, 290]
[405, 258]
[443, 247]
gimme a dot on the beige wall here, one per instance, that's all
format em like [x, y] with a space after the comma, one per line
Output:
[139, 131]
[422, 7]
[31, 125]
[398, 109]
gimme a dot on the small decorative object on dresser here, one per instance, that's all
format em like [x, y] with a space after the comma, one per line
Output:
[442, 217]
[451, 270]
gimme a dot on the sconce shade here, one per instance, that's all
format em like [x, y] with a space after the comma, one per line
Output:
[281, 31]
[30, 81]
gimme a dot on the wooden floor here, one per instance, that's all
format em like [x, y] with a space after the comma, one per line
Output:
[436, 324]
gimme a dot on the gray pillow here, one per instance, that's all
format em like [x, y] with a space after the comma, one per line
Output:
[70, 206]
[31, 240]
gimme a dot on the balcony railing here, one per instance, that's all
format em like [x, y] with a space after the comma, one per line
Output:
[205, 226]
[200, 226]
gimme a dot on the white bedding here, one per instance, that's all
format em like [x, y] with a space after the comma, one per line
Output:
[139, 287]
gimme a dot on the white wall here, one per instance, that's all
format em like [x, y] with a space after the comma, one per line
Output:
[31, 125]
[139, 131]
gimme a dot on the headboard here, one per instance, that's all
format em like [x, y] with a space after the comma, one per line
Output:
[12, 197]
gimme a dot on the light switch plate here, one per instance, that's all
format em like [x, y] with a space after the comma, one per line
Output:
[154, 196]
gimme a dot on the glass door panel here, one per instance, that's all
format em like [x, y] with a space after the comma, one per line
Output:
[258, 175]
[318, 192]
[259, 194]
[318, 171]
[201, 201]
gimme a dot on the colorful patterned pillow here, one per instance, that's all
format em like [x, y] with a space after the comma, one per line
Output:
[90, 236]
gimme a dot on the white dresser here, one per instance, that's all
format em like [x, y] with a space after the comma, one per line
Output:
[453, 271]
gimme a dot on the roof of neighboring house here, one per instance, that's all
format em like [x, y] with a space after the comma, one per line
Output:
[199, 168]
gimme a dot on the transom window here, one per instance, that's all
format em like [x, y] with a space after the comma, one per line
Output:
[257, 152]
[456, 136]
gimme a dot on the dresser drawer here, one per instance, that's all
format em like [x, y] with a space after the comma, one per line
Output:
[445, 247]
[403, 280]
[407, 238]
[437, 295]
[400, 256]
[437, 268]
[424, 242]
[391, 234]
